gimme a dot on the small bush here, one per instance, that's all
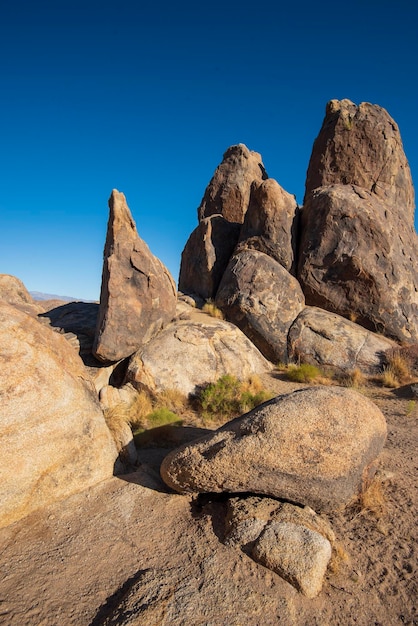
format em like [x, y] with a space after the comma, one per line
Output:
[354, 378]
[116, 418]
[303, 373]
[139, 409]
[211, 309]
[388, 377]
[399, 362]
[229, 397]
[173, 399]
[161, 417]
[373, 500]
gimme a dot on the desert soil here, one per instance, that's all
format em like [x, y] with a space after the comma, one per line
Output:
[129, 552]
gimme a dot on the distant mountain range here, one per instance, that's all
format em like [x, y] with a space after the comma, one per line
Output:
[38, 295]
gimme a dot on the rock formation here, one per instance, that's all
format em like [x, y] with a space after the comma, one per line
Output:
[228, 192]
[317, 447]
[270, 223]
[54, 440]
[261, 297]
[192, 352]
[206, 255]
[138, 295]
[221, 212]
[359, 248]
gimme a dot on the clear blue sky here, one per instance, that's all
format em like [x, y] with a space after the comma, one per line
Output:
[146, 97]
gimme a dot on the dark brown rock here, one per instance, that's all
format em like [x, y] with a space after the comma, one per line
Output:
[270, 224]
[358, 258]
[206, 255]
[361, 145]
[138, 295]
[317, 447]
[228, 192]
[259, 296]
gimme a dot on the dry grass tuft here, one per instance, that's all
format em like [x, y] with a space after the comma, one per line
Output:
[373, 500]
[211, 309]
[172, 399]
[354, 379]
[117, 417]
[339, 559]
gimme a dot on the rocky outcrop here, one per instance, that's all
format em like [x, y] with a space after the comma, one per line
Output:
[228, 192]
[193, 352]
[270, 223]
[138, 295]
[316, 447]
[14, 292]
[54, 439]
[261, 297]
[359, 248]
[206, 255]
[324, 338]
[361, 145]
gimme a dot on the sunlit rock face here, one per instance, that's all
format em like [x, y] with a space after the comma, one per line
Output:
[138, 295]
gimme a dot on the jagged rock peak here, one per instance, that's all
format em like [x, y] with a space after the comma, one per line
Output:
[138, 295]
[361, 145]
[228, 192]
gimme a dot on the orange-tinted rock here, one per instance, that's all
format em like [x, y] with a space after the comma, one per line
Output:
[53, 437]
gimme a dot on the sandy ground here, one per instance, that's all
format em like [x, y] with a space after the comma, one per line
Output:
[129, 552]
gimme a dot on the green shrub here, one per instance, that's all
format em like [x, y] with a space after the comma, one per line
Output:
[303, 373]
[229, 397]
[162, 416]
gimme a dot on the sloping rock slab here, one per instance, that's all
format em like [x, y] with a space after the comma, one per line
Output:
[53, 437]
[325, 338]
[317, 447]
[188, 354]
[262, 298]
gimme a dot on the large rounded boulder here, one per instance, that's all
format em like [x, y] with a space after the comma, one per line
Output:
[53, 437]
[317, 447]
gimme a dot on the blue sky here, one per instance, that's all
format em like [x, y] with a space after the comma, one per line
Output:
[146, 97]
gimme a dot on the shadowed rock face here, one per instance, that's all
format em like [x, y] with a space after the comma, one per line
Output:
[228, 192]
[316, 447]
[138, 295]
[358, 246]
[259, 296]
[206, 255]
[270, 223]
